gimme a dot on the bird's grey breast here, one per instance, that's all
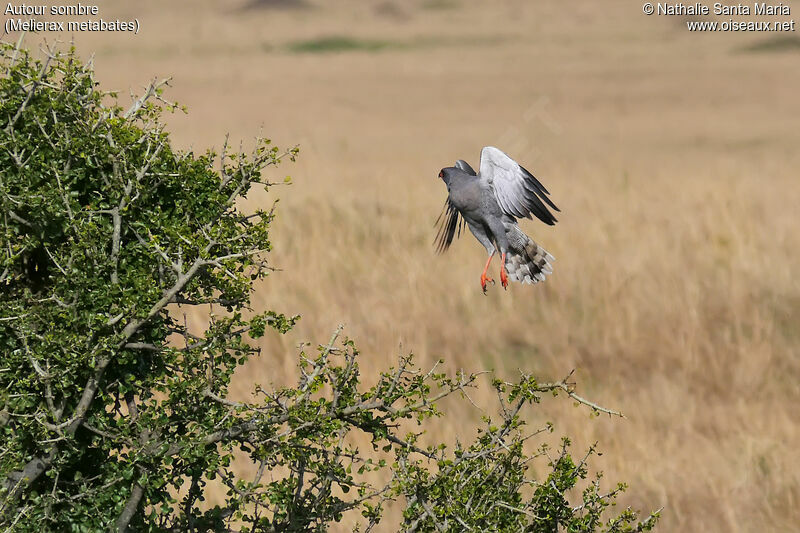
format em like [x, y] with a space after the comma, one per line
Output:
[468, 196]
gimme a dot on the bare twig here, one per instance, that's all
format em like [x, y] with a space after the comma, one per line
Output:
[150, 91]
[569, 388]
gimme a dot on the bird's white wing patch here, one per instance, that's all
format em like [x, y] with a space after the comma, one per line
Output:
[517, 191]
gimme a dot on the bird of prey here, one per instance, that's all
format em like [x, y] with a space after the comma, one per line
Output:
[490, 202]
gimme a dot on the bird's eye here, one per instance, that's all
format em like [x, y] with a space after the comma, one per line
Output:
[441, 173]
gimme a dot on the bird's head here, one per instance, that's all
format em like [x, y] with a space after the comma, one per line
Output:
[445, 174]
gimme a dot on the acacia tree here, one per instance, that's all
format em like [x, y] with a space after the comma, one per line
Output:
[114, 416]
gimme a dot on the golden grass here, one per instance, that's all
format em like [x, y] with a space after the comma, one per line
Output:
[672, 155]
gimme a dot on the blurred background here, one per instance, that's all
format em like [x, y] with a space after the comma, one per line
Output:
[672, 155]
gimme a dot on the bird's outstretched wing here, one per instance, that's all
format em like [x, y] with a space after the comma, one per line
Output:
[449, 223]
[516, 190]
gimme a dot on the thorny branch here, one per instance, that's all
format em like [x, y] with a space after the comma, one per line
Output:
[569, 388]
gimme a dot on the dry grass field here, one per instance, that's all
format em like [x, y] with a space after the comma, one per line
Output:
[672, 155]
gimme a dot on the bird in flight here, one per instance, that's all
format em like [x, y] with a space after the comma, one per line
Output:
[489, 203]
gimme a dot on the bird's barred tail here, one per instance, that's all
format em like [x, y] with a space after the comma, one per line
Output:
[526, 261]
